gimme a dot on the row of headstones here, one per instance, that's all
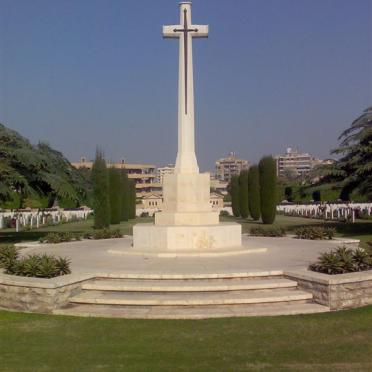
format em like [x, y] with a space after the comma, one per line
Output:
[327, 211]
[35, 219]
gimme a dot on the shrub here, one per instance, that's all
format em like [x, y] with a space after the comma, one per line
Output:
[39, 266]
[315, 233]
[59, 237]
[243, 194]
[234, 191]
[8, 256]
[115, 196]
[343, 260]
[254, 192]
[100, 192]
[103, 234]
[268, 179]
[144, 214]
[224, 213]
[269, 232]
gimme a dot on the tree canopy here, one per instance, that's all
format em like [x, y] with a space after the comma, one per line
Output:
[36, 169]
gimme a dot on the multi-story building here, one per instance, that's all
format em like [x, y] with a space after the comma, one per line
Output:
[295, 163]
[144, 175]
[230, 166]
[162, 171]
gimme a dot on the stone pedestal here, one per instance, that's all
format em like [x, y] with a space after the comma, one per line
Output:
[178, 238]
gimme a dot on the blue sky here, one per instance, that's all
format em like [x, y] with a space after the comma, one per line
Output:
[82, 73]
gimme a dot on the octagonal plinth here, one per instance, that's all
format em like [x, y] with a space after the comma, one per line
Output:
[173, 238]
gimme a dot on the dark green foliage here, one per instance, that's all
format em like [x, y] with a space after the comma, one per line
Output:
[115, 195]
[288, 193]
[269, 232]
[254, 192]
[101, 201]
[268, 179]
[36, 170]
[234, 192]
[38, 266]
[8, 256]
[59, 237]
[103, 234]
[224, 213]
[132, 199]
[125, 199]
[243, 194]
[317, 197]
[343, 260]
[315, 233]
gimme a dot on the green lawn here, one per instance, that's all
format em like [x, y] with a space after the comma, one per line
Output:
[328, 342]
[362, 229]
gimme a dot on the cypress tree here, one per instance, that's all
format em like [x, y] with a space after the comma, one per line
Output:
[115, 196]
[100, 181]
[288, 193]
[234, 192]
[132, 198]
[267, 174]
[254, 192]
[243, 194]
[125, 197]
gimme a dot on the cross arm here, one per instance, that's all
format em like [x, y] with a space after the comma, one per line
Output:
[202, 30]
[168, 31]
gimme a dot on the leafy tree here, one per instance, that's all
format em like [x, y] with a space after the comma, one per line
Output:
[288, 193]
[243, 194]
[101, 200]
[268, 179]
[125, 200]
[354, 168]
[132, 198]
[36, 170]
[115, 195]
[317, 197]
[254, 192]
[234, 191]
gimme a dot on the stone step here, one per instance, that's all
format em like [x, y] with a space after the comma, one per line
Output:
[190, 298]
[193, 285]
[190, 312]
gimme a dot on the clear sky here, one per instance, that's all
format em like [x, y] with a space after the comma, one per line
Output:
[82, 73]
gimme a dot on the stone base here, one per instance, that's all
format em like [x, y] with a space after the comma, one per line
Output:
[174, 238]
[186, 218]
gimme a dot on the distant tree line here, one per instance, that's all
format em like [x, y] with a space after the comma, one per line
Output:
[253, 192]
[114, 194]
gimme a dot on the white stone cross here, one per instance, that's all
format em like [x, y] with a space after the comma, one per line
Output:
[186, 160]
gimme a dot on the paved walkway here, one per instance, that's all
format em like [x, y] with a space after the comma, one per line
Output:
[92, 257]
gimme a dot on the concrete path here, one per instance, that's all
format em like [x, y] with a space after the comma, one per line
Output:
[93, 257]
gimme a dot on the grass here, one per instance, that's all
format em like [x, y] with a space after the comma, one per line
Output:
[362, 229]
[327, 342]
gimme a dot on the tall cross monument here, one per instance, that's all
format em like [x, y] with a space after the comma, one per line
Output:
[187, 220]
[186, 160]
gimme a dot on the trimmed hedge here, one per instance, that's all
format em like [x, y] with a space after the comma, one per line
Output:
[254, 192]
[243, 194]
[234, 191]
[315, 233]
[101, 203]
[268, 179]
[268, 231]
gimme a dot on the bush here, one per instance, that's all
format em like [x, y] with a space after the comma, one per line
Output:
[60, 237]
[268, 179]
[343, 260]
[269, 232]
[315, 233]
[144, 214]
[100, 192]
[224, 213]
[39, 266]
[103, 234]
[254, 192]
[243, 194]
[234, 191]
[8, 256]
